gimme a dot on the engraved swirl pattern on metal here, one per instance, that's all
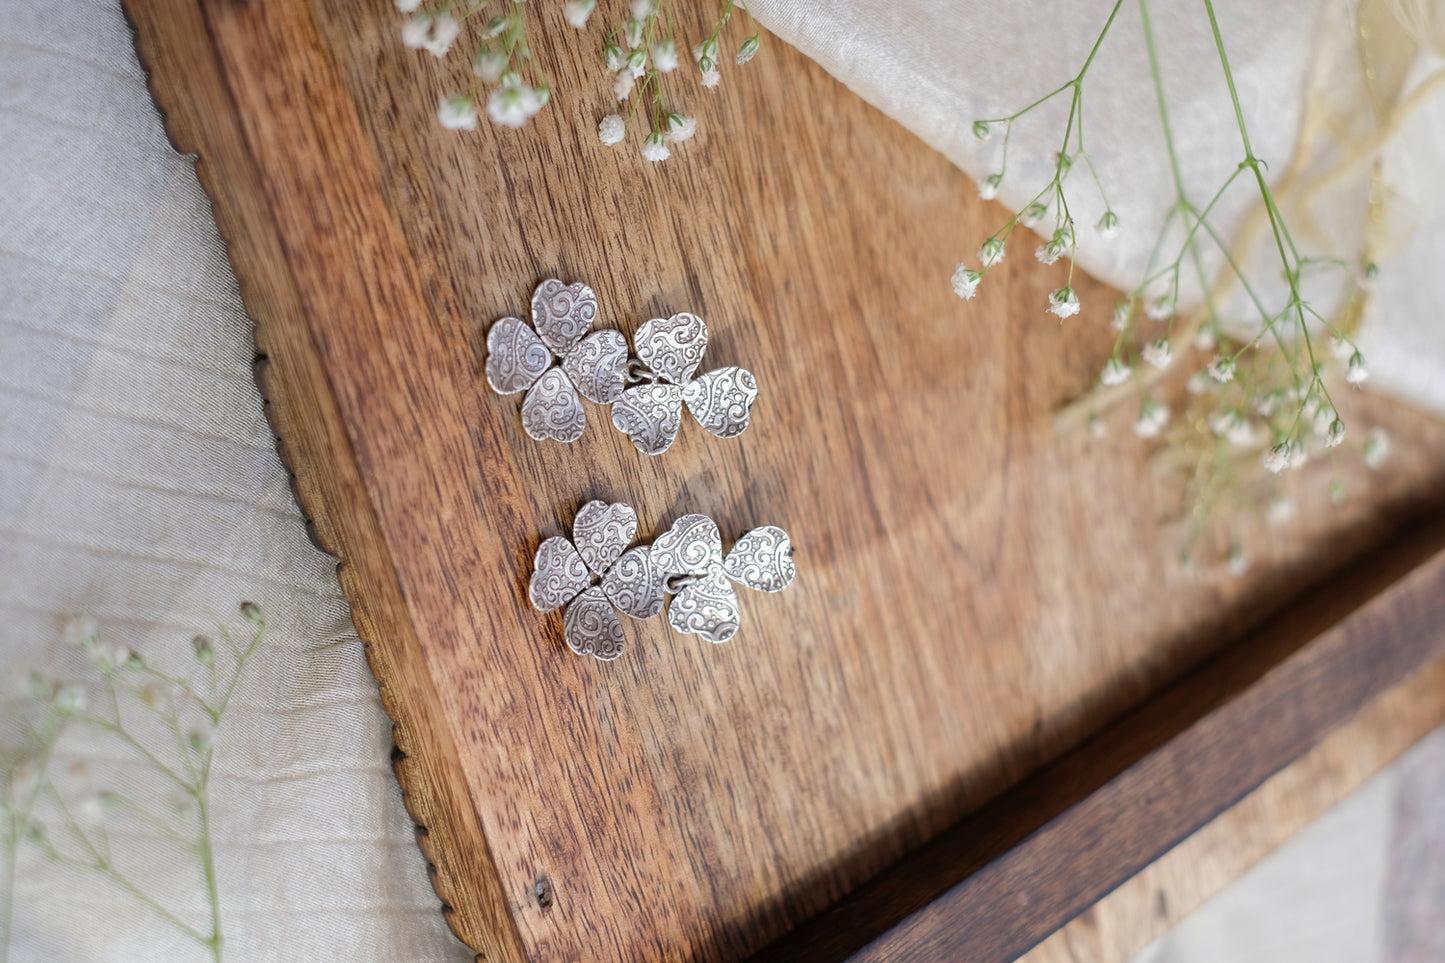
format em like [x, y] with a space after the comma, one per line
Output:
[560, 575]
[722, 400]
[673, 347]
[598, 366]
[762, 560]
[650, 415]
[634, 584]
[591, 627]
[692, 546]
[553, 409]
[707, 607]
[516, 357]
[562, 313]
[601, 532]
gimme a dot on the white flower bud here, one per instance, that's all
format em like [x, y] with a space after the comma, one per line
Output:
[1115, 372]
[982, 130]
[612, 129]
[748, 50]
[680, 128]
[1356, 373]
[489, 64]
[1108, 225]
[988, 190]
[1157, 353]
[992, 252]
[965, 281]
[1222, 369]
[458, 113]
[577, 12]
[664, 56]
[655, 149]
[1064, 303]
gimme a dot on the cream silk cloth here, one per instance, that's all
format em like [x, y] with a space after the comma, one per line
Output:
[139, 483]
[936, 66]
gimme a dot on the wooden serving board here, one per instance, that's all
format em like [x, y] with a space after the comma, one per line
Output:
[977, 596]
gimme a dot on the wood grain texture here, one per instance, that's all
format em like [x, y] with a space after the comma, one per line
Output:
[1117, 927]
[976, 594]
[993, 887]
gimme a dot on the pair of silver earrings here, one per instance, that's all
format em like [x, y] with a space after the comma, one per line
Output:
[595, 575]
[557, 362]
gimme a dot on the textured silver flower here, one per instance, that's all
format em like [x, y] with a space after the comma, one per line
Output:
[554, 358]
[689, 555]
[671, 350]
[594, 572]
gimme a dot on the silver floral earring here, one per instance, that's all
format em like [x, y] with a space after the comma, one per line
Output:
[595, 575]
[557, 363]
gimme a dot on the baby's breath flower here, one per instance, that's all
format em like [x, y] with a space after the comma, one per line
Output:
[1281, 510]
[1034, 213]
[612, 129]
[444, 31]
[1160, 308]
[1336, 434]
[489, 64]
[80, 631]
[1341, 348]
[654, 149]
[1052, 251]
[982, 130]
[637, 63]
[407, 6]
[1287, 454]
[1157, 353]
[711, 77]
[1377, 448]
[1222, 369]
[1122, 310]
[577, 12]
[1237, 563]
[680, 128]
[992, 252]
[1064, 303]
[1204, 338]
[1108, 225]
[707, 50]
[496, 27]
[416, 32]
[632, 29]
[458, 113]
[965, 281]
[1233, 428]
[622, 84]
[1115, 372]
[513, 104]
[748, 50]
[1200, 383]
[1356, 373]
[1153, 416]
[664, 55]
[641, 8]
[988, 190]
[204, 649]
[71, 700]
[616, 57]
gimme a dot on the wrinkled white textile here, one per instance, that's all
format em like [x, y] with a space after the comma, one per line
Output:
[936, 66]
[139, 484]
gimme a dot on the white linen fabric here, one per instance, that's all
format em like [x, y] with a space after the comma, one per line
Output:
[936, 66]
[139, 484]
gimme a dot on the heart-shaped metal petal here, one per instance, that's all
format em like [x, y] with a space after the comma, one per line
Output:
[762, 559]
[634, 584]
[651, 415]
[672, 347]
[591, 627]
[722, 400]
[562, 313]
[707, 607]
[553, 408]
[691, 546]
[601, 532]
[516, 357]
[598, 366]
[559, 575]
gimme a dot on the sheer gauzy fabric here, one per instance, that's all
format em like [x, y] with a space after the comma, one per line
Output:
[139, 485]
[1317, 81]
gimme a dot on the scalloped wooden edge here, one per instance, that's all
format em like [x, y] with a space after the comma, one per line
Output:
[175, 49]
